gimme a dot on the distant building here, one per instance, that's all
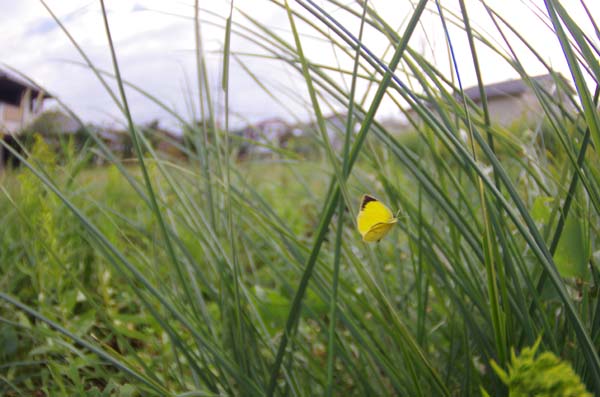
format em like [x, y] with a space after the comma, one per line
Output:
[515, 100]
[20, 102]
[335, 125]
[166, 142]
[270, 132]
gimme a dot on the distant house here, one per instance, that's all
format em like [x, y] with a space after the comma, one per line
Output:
[20, 102]
[166, 142]
[515, 100]
[269, 132]
[117, 141]
[335, 125]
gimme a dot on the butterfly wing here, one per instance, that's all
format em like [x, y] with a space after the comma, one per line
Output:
[376, 232]
[374, 219]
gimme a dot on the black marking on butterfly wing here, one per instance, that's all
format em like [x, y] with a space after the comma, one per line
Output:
[366, 199]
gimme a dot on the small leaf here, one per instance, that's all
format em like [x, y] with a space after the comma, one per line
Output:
[572, 253]
[9, 342]
[127, 391]
[540, 212]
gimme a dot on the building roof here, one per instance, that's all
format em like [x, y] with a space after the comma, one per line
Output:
[272, 120]
[12, 87]
[513, 88]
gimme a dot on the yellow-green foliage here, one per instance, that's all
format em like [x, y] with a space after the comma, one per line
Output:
[543, 376]
[51, 250]
[41, 231]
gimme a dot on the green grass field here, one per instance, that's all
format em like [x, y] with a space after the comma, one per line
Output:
[215, 277]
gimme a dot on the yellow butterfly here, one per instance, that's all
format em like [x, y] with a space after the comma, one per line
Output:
[374, 219]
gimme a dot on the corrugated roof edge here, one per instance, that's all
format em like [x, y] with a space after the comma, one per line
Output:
[8, 74]
[514, 87]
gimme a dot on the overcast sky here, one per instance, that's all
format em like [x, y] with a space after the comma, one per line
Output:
[154, 40]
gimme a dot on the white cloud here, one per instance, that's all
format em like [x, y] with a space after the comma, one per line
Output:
[155, 45]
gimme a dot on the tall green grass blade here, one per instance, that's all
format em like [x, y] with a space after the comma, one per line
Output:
[138, 148]
[123, 265]
[206, 124]
[591, 116]
[497, 314]
[338, 238]
[157, 388]
[332, 203]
